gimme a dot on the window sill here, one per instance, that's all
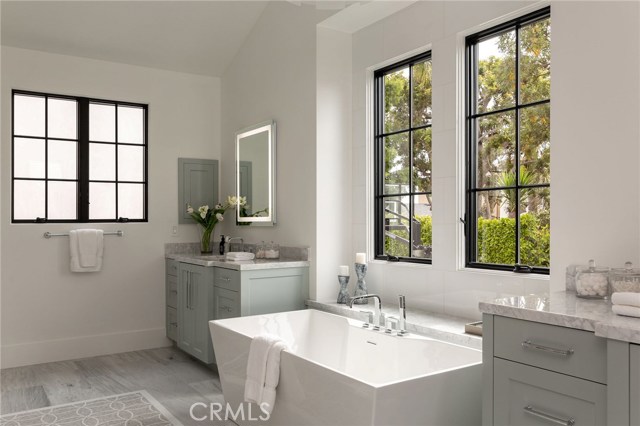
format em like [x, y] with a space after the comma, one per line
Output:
[401, 263]
[541, 277]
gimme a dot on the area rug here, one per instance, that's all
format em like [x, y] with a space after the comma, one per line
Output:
[127, 409]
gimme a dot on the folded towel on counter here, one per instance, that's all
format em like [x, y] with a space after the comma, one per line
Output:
[257, 366]
[272, 377]
[86, 248]
[240, 255]
[626, 298]
[627, 311]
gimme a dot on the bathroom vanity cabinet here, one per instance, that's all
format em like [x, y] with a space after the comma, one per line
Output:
[540, 373]
[196, 294]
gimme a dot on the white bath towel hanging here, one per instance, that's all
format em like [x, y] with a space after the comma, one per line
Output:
[272, 377]
[86, 248]
[259, 367]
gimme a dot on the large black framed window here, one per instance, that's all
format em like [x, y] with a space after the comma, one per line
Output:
[77, 159]
[508, 80]
[402, 138]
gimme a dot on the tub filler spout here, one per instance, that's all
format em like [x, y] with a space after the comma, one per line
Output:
[377, 312]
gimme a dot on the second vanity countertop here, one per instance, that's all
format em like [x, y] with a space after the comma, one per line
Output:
[565, 309]
[244, 265]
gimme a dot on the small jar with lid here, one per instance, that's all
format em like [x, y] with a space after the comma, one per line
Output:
[625, 279]
[272, 251]
[593, 282]
[260, 250]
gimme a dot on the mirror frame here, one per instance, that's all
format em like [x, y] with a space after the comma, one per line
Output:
[270, 128]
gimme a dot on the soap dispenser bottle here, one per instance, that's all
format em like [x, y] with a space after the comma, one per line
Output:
[222, 240]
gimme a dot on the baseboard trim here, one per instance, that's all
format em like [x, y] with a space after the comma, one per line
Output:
[21, 354]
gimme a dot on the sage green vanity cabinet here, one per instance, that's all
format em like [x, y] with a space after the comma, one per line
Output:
[196, 294]
[195, 310]
[542, 374]
[634, 388]
[171, 299]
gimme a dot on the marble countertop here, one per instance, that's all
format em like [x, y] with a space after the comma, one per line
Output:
[565, 309]
[430, 324]
[243, 265]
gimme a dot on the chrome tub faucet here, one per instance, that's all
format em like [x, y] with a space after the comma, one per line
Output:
[377, 312]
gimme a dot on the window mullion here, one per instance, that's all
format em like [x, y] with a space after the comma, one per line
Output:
[517, 148]
[83, 159]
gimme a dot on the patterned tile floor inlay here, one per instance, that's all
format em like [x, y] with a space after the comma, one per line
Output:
[128, 409]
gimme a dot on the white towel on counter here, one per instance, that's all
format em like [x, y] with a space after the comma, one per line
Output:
[627, 311]
[86, 248]
[240, 255]
[263, 369]
[626, 298]
[272, 377]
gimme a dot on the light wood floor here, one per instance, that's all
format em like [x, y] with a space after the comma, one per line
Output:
[168, 374]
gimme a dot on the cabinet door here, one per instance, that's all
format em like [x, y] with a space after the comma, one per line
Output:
[185, 308]
[197, 185]
[525, 395]
[172, 323]
[202, 289]
[634, 373]
[226, 303]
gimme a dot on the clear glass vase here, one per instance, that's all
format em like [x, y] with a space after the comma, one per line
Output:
[206, 243]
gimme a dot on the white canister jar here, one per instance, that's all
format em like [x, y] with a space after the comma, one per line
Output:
[593, 282]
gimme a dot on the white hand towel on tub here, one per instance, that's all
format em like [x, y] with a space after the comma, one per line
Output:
[626, 298]
[272, 377]
[257, 366]
[86, 248]
[627, 311]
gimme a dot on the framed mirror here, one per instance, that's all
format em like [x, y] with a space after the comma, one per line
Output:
[255, 174]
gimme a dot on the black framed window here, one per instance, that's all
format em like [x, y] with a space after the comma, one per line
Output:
[77, 159]
[508, 145]
[402, 137]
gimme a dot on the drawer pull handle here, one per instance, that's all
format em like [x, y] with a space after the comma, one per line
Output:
[225, 308]
[550, 418]
[174, 291]
[227, 279]
[527, 344]
[175, 324]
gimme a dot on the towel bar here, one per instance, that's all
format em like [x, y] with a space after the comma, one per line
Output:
[66, 234]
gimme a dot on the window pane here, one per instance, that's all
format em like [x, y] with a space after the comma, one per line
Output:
[496, 72]
[421, 76]
[396, 164]
[28, 199]
[28, 115]
[131, 200]
[422, 160]
[62, 200]
[102, 161]
[102, 122]
[396, 101]
[130, 163]
[496, 144]
[535, 62]
[496, 227]
[396, 226]
[535, 144]
[421, 238]
[62, 157]
[28, 158]
[102, 197]
[534, 227]
[130, 124]
[62, 118]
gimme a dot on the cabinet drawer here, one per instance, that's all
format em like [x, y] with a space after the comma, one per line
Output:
[574, 352]
[172, 291]
[172, 324]
[171, 267]
[527, 395]
[227, 303]
[634, 376]
[227, 278]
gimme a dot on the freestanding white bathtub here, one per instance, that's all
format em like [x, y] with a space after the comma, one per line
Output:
[337, 373]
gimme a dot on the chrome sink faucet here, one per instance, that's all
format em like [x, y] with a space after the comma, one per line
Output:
[229, 239]
[377, 311]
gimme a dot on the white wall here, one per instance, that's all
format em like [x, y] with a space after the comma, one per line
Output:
[51, 314]
[273, 76]
[595, 181]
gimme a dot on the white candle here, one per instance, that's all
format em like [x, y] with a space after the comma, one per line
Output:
[343, 270]
[361, 258]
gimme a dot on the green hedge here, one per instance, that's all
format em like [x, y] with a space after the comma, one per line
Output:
[496, 241]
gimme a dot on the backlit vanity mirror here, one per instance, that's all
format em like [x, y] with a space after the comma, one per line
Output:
[255, 174]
